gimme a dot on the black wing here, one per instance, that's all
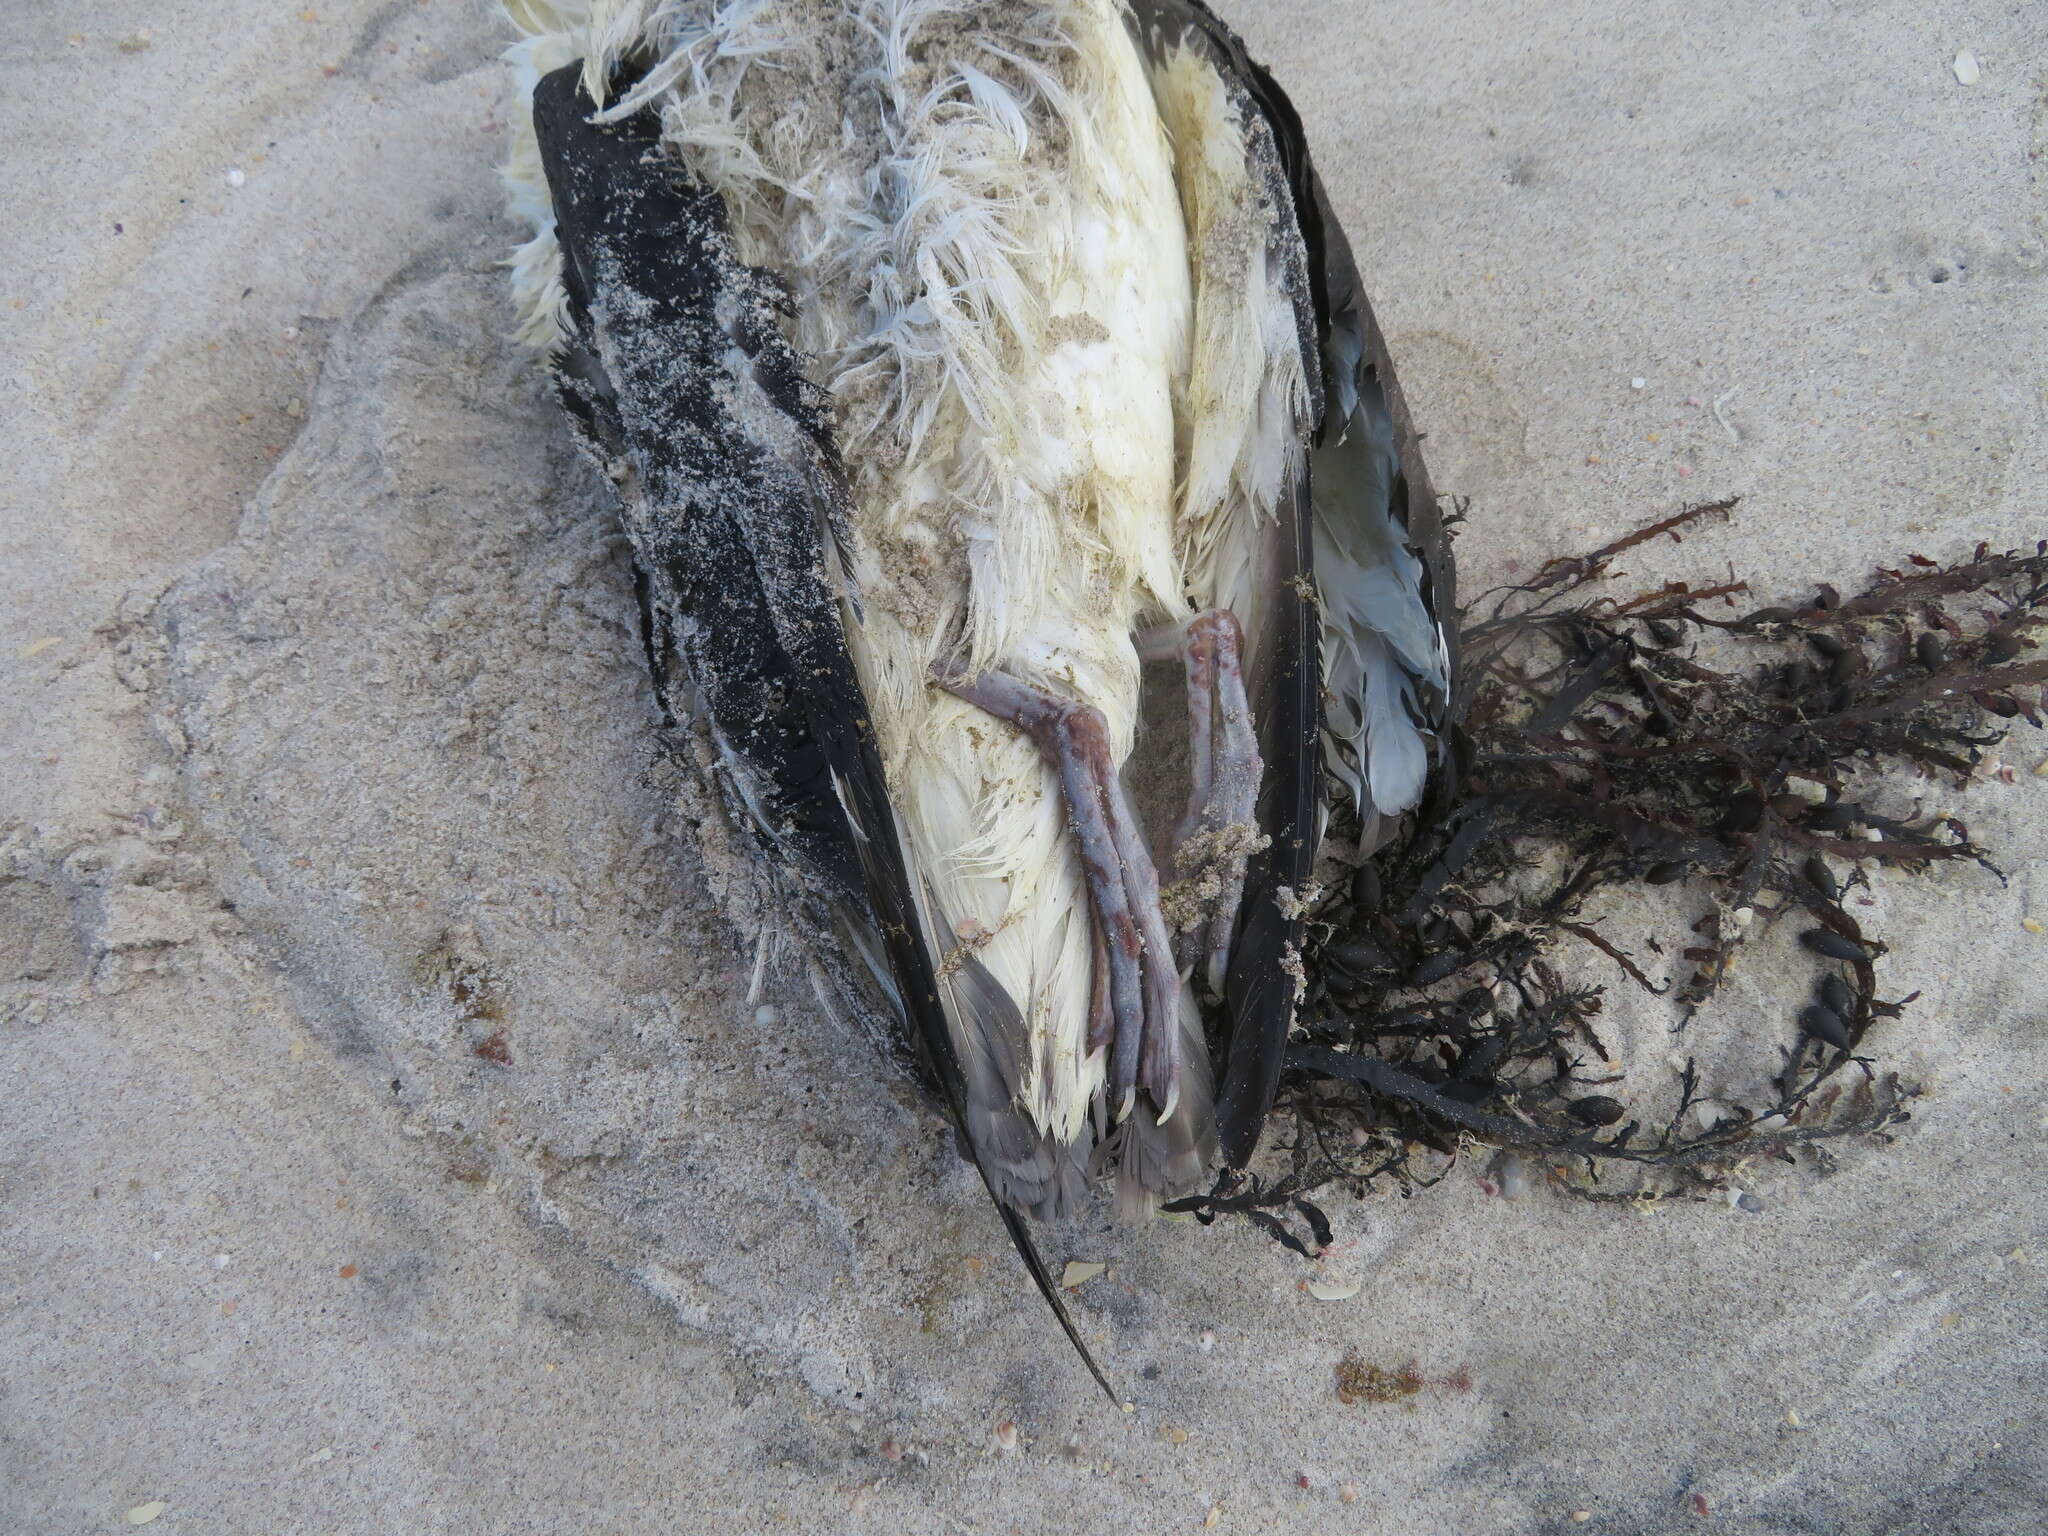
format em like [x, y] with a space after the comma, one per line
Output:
[1363, 472]
[677, 368]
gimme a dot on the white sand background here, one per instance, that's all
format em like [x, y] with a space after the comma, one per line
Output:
[326, 755]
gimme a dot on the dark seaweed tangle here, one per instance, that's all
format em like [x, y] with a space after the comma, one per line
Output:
[1667, 739]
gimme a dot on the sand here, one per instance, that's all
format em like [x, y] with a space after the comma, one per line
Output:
[389, 1143]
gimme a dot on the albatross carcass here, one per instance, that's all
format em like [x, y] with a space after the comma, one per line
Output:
[951, 360]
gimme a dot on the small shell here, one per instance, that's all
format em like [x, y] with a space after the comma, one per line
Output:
[1513, 1176]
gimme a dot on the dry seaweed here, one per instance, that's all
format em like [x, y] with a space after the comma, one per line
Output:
[1360, 1381]
[1669, 739]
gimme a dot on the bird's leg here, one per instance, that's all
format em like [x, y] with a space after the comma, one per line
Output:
[1159, 1064]
[1220, 829]
[1134, 951]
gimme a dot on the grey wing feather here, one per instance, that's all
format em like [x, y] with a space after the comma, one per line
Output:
[1359, 681]
[1383, 559]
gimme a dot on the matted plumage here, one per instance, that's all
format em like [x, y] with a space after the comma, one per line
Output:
[951, 359]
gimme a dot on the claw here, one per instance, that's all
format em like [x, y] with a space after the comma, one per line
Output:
[1172, 1101]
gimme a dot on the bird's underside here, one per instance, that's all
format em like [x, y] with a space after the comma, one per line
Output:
[952, 360]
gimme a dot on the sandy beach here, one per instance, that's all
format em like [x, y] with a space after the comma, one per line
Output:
[389, 1142]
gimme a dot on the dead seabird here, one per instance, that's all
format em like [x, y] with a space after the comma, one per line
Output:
[951, 359]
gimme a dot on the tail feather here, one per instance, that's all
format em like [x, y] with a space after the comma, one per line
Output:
[1154, 1161]
[1027, 1167]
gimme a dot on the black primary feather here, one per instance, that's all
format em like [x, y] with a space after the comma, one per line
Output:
[733, 494]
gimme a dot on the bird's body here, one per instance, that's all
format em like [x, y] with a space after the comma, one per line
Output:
[1021, 330]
